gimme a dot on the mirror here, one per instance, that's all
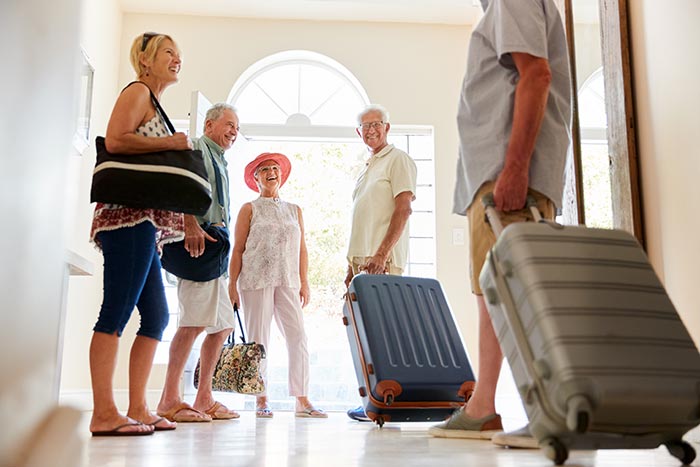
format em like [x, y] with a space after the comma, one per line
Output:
[603, 180]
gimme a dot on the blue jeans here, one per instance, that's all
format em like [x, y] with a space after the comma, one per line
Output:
[132, 279]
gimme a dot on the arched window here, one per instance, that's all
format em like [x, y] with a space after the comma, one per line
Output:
[298, 93]
[305, 105]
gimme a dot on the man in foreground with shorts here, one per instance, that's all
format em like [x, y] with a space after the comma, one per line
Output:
[514, 125]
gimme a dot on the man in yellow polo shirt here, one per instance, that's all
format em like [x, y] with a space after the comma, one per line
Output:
[381, 206]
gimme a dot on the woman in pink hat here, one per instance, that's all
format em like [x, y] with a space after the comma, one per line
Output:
[268, 269]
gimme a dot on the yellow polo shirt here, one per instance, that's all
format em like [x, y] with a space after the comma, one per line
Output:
[386, 175]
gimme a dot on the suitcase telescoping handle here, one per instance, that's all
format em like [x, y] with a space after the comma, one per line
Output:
[494, 219]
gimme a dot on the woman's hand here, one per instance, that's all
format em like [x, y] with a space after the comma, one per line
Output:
[304, 295]
[233, 294]
[180, 141]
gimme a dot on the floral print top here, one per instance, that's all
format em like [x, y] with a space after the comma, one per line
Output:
[170, 226]
[271, 256]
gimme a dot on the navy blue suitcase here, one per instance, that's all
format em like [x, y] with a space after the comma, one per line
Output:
[409, 358]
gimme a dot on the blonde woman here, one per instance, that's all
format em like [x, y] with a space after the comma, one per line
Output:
[131, 240]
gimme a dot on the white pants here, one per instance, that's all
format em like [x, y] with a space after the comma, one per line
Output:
[259, 307]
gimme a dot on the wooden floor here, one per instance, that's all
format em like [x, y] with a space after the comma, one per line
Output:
[336, 442]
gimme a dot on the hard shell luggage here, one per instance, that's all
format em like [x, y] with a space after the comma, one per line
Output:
[598, 352]
[409, 358]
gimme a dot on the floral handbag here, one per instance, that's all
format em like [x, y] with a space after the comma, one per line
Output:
[238, 367]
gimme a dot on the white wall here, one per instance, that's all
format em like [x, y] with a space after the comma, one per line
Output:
[666, 60]
[100, 33]
[414, 70]
[40, 67]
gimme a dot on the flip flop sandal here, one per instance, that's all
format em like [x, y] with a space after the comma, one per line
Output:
[117, 431]
[219, 411]
[174, 414]
[311, 412]
[263, 412]
[161, 428]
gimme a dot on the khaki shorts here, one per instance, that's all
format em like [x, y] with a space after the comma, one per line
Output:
[205, 304]
[482, 238]
[358, 261]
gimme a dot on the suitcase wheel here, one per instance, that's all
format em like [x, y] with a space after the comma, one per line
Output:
[578, 416]
[379, 421]
[681, 450]
[555, 451]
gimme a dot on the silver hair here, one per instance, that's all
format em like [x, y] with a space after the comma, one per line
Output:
[374, 108]
[217, 110]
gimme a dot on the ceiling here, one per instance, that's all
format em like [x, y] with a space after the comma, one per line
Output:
[412, 11]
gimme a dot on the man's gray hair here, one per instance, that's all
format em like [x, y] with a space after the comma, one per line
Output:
[374, 108]
[217, 110]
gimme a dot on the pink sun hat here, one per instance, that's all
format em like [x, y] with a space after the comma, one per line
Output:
[280, 159]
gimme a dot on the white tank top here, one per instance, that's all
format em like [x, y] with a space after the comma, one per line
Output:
[271, 256]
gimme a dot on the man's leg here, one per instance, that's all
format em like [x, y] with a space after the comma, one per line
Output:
[482, 401]
[208, 357]
[478, 418]
[224, 322]
[171, 404]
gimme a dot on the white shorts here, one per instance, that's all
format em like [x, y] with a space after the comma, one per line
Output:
[205, 304]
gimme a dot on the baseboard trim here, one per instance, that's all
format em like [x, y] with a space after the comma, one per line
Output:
[82, 399]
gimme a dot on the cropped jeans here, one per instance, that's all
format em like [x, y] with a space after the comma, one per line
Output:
[132, 278]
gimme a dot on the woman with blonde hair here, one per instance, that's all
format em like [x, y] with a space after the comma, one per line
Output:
[131, 240]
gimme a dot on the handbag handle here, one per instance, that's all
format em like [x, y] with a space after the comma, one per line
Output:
[240, 325]
[162, 113]
[159, 109]
[231, 338]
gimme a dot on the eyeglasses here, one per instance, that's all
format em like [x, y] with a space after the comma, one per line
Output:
[367, 125]
[147, 36]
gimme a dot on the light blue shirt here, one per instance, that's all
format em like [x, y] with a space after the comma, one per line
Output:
[485, 115]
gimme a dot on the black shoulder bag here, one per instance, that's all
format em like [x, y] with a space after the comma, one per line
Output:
[174, 180]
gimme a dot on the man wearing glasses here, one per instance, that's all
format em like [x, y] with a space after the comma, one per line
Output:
[381, 206]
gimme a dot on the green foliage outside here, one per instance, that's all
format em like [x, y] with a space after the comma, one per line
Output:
[324, 179]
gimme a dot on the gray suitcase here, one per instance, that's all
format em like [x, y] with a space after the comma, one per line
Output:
[598, 352]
